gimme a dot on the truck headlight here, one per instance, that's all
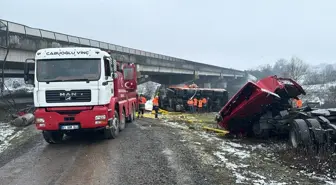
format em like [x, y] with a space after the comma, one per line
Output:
[100, 117]
[39, 120]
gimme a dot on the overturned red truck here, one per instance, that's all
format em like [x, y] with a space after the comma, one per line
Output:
[264, 108]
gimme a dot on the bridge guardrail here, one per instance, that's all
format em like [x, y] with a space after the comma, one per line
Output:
[45, 34]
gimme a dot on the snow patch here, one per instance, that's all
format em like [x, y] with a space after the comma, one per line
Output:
[208, 137]
[175, 125]
[16, 84]
[7, 133]
[231, 166]
[325, 179]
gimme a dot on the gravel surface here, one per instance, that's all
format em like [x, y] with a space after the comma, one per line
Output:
[140, 155]
[148, 152]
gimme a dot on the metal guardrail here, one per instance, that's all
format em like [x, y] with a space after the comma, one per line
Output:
[45, 34]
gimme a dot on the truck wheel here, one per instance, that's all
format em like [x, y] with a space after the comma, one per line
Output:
[317, 131]
[133, 113]
[258, 132]
[122, 121]
[299, 134]
[113, 131]
[53, 137]
[131, 117]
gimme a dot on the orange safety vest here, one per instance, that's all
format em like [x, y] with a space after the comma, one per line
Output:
[195, 101]
[190, 102]
[142, 100]
[299, 103]
[200, 103]
[156, 102]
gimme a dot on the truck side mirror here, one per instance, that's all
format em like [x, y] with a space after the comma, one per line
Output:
[27, 77]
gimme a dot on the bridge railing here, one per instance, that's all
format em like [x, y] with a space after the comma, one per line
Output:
[23, 29]
[45, 34]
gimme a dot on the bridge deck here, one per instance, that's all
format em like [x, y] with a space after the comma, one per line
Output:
[23, 38]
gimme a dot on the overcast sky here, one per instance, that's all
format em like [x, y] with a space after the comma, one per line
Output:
[240, 34]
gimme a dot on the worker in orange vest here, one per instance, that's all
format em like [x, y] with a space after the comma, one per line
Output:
[195, 104]
[190, 103]
[205, 105]
[200, 105]
[156, 106]
[142, 102]
[298, 103]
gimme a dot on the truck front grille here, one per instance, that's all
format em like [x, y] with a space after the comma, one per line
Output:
[61, 96]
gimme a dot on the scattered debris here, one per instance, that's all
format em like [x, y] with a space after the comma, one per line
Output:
[24, 120]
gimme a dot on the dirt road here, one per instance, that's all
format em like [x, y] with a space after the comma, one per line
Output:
[147, 152]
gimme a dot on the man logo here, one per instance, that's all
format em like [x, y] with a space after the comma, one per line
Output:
[68, 95]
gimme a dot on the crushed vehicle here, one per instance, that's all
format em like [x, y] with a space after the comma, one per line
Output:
[174, 98]
[264, 108]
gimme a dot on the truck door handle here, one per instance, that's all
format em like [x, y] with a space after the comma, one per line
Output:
[106, 82]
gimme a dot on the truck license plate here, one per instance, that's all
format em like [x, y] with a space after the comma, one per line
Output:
[69, 127]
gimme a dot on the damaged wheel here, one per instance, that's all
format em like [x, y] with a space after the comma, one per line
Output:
[299, 134]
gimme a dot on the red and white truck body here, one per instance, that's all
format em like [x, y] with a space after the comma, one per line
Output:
[81, 88]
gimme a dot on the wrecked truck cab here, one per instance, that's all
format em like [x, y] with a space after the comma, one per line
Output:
[264, 108]
[269, 95]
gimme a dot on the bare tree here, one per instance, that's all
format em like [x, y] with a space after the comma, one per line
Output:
[313, 77]
[280, 67]
[262, 71]
[296, 69]
[328, 74]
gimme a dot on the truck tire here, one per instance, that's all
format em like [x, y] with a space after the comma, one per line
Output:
[299, 134]
[258, 132]
[316, 131]
[122, 121]
[131, 117]
[52, 137]
[113, 131]
[133, 113]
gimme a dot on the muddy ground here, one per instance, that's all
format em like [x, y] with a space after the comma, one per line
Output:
[171, 150]
[318, 166]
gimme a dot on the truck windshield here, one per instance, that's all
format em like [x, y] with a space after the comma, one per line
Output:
[68, 69]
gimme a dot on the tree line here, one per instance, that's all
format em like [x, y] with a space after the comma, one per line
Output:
[298, 70]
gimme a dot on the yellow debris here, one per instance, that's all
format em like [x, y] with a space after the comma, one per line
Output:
[215, 130]
[186, 119]
[190, 121]
[161, 111]
[149, 116]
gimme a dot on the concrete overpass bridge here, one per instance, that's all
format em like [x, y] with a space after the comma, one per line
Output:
[18, 42]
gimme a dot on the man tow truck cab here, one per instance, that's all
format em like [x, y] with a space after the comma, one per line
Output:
[81, 89]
